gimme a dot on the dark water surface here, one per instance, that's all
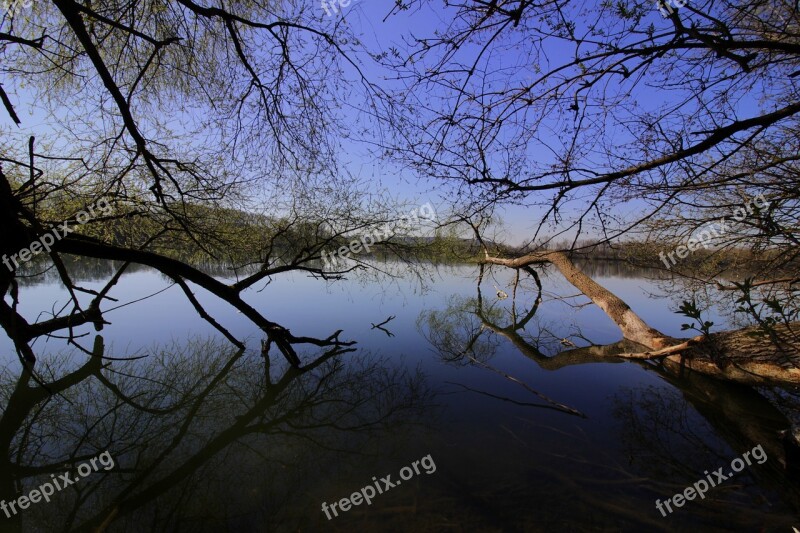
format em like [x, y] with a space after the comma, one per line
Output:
[508, 433]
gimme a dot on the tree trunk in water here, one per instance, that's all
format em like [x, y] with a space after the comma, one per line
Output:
[632, 326]
[740, 355]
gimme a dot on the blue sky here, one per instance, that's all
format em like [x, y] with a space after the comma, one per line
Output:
[368, 20]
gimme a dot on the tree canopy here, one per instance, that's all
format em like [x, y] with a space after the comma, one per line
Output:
[208, 123]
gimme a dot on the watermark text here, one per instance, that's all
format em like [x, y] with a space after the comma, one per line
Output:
[379, 486]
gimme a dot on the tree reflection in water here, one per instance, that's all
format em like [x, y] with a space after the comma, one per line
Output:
[204, 438]
[670, 435]
[703, 424]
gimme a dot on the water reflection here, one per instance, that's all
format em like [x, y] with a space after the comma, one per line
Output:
[204, 438]
[40, 271]
[210, 439]
[677, 435]
[670, 436]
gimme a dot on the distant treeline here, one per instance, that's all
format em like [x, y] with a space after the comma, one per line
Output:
[652, 255]
[218, 235]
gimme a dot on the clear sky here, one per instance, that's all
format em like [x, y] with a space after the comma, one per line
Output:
[369, 19]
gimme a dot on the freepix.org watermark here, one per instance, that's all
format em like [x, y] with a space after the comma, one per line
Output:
[365, 242]
[56, 234]
[665, 8]
[700, 487]
[705, 237]
[332, 6]
[45, 490]
[366, 494]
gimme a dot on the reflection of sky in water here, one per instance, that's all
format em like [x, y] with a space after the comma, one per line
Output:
[312, 307]
[509, 457]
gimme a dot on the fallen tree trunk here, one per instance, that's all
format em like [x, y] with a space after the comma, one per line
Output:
[739, 355]
[632, 326]
[742, 355]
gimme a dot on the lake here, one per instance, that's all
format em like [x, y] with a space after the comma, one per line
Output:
[480, 411]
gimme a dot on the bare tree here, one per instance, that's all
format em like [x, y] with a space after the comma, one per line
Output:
[183, 116]
[610, 120]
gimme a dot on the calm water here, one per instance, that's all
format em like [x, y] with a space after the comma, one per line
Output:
[519, 436]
